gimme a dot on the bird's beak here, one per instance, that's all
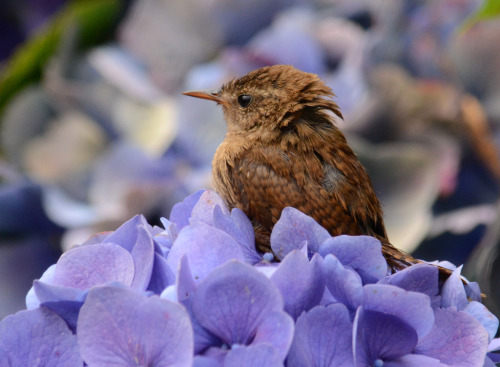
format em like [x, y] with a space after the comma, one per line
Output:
[205, 94]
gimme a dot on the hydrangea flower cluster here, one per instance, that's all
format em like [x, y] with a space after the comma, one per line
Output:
[197, 293]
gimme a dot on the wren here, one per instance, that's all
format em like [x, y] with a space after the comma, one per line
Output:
[282, 148]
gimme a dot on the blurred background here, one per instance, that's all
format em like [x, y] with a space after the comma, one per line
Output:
[94, 129]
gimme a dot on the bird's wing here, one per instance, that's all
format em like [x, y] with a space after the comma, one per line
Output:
[266, 181]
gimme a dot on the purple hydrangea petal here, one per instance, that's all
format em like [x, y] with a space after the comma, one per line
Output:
[85, 266]
[184, 282]
[201, 361]
[64, 301]
[456, 339]
[411, 307]
[344, 283]
[97, 238]
[473, 291]
[327, 298]
[126, 234]
[484, 316]
[266, 268]
[362, 253]
[453, 291]
[381, 336]
[37, 338]
[423, 278]
[143, 255]
[203, 211]
[47, 277]
[276, 330]
[494, 346]
[118, 326]
[414, 360]
[185, 288]
[164, 239]
[162, 276]
[323, 337]
[181, 212]
[253, 356]
[300, 281]
[292, 229]
[233, 300]
[488, 362]
[239, 227]
[206, 247]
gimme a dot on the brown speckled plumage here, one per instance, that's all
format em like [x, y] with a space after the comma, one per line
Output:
[283, 149]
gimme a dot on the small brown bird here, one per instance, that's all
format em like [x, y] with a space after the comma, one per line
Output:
[282, 149]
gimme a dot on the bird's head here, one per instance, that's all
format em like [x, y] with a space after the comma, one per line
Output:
[271, 99]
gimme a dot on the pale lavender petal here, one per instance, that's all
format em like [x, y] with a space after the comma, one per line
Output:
[473, 291]
[300, 281]
[85, 266]
[276, 330]
[166, 238]
[456, 339]
[494, 346]
[200, 361]
[204, 208]
[327, 298]
[344, 283]
[37, 338]
[323, 337]
[143, 255]
[488, 362]
[239, 227]
[411, 307]
[64, 301]
[120, 327]
[181, 212]
[423, 278]
[233, 300]
[206, 247]
[453, 291]
[381, 336]
[97, 238]
[184, 282]
[126, 234]
[162, 276]
[170, 228]
[47, 277]
[185, 288]
[362, 253]
[292, 229]
[253, 356]
[266, 268]
[484, 316]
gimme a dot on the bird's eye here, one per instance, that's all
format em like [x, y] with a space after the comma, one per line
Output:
[244, 100]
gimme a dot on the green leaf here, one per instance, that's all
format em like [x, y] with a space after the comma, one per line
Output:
[488, 10]
[95, 20]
